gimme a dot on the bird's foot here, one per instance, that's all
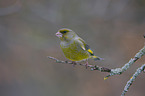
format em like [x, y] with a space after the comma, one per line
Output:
[87, 64]
[73, 63]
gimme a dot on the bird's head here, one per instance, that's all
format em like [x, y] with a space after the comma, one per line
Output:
[65, 34]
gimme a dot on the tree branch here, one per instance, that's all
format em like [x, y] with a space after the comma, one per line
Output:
[118, 71]
[129, 83]
[93, 67]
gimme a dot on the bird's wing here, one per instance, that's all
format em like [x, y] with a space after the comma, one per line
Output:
[86, 47]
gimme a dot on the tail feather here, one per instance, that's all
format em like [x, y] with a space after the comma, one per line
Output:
[96, 58]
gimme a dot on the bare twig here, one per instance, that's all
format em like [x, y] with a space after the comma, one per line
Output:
[93, 67]
[129, 83]
[118, 71]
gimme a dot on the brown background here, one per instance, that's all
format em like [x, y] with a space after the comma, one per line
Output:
[113, 28]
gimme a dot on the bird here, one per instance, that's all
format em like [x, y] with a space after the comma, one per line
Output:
[74, 47]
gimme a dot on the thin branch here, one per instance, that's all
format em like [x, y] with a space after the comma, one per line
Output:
[129, 83]
[118, 71]
[93, 67]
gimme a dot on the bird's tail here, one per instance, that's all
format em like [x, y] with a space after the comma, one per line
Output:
[96, 58]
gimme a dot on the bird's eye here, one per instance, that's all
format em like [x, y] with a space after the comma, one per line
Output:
[64, 32]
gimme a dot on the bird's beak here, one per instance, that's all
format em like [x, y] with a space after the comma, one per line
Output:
[58, 34]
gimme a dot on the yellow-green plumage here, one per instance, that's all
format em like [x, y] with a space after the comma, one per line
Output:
[74, 51]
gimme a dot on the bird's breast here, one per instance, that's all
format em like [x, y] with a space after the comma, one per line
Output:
[73, 51]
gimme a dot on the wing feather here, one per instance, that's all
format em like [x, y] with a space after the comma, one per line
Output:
[86, 47]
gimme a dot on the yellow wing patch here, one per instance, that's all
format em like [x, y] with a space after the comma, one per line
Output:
[90, 51]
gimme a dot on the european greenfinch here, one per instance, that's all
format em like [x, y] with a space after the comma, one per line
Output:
[74, 47]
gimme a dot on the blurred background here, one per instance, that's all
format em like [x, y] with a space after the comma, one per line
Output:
[113, 28]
